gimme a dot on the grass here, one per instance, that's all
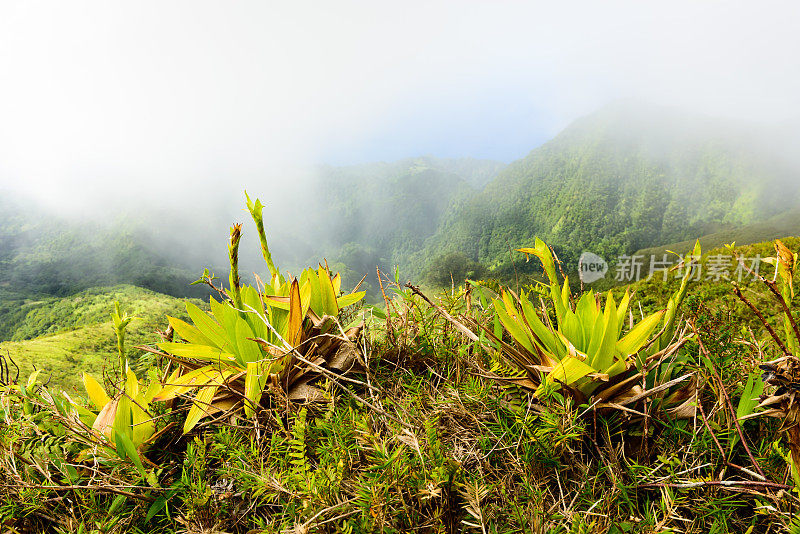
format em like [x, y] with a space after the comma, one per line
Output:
[72, 334]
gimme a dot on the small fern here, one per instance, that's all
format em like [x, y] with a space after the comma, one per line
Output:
[301, 473]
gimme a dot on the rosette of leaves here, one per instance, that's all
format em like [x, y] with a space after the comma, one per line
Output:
[279, 336]
[124, 421]
[585, 350]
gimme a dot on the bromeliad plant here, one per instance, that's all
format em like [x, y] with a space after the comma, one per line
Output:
[124, 421]
[277, 336]
[585, 349]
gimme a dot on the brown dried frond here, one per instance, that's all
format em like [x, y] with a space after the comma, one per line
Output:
[784, 374]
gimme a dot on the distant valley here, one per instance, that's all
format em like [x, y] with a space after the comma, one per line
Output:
[627, 178]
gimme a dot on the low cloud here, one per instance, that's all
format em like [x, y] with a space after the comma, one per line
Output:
[106, 104]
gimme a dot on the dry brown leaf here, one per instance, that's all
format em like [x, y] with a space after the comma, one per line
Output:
[105, 419]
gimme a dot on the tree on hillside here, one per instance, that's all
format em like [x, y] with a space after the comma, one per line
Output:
[454, 267]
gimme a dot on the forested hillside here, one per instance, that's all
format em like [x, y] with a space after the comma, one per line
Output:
[381, 213]
[622, 179]
[785, 224]
[45, 254]
[60, 335]
[359, 216]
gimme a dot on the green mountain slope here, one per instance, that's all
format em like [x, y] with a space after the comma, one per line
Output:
[625, 178]
[357, 216]
[44, 254]
[59, 335]
[780, 226]
[381, 213]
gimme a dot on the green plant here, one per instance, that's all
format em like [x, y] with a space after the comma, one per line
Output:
[582, 348]
[121, 322]
[124, 420]
[278, 335]
[782, 373]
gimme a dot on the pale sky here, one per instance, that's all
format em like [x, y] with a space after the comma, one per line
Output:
[113, 98]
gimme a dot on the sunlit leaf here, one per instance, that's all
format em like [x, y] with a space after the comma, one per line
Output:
[248, 351]
[638, 336]
[514, 327]
[142, 424]
[179, 385]
[207, 326]
[350, 299]
[198, 352]
[337, 284]
[200, 407]
[622, 311]
[32, 378]
[254, 383]
[294, 329]
[122, 420]
[328, 294]
[541, 333]
[256, 315]
[189, 332]
[310, 277]
[153, 388]
[568, 371]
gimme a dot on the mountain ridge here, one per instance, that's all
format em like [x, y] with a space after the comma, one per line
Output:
[619, 180]
[628, 177]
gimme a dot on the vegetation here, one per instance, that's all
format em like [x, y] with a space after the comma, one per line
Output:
[585, 353]
[773, 228]
[291, 406]
[60, 335]
[623, 179]
[381, 213]
[515, 400]
[44, 255]
[445, 270]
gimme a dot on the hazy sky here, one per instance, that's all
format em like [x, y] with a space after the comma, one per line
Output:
[154, 96]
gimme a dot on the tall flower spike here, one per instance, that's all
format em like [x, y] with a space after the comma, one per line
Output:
[233, 255]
